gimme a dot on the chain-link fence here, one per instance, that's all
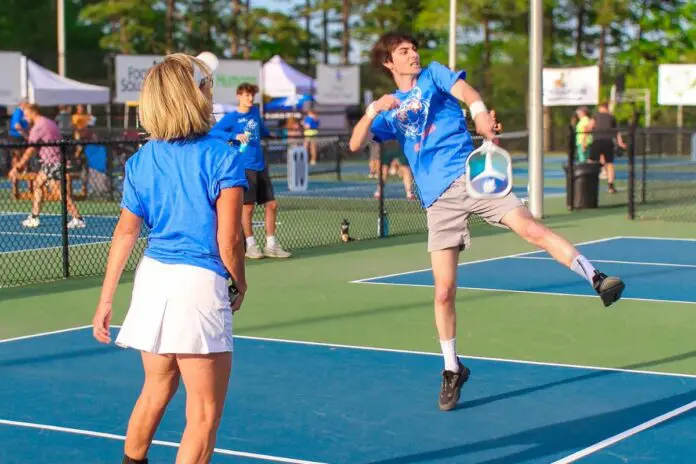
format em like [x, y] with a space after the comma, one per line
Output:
[653, 175]
[54, 244]
[664, 175]
[343, 199]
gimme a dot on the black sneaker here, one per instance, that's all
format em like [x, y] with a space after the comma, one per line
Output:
[451, 386]
[609, 289]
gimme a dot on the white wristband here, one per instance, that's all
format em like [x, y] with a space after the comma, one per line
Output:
[476, 108]
[371, 111]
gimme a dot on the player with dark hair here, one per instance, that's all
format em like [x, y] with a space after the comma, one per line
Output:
[245, 127]
[425, 116]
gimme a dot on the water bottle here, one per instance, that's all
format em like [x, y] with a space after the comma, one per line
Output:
[243, 146]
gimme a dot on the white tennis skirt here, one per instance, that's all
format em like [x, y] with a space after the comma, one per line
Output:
[177, 309]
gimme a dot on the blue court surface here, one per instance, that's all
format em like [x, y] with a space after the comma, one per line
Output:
[654, 269]
[14, 237]
[64, 398]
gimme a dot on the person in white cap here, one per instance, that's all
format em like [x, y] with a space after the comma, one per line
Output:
[188, 188]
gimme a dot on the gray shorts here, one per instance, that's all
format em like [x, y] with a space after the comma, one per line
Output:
[448, 217]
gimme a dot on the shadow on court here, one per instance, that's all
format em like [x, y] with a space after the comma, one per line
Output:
[580, 378]
[548, 440]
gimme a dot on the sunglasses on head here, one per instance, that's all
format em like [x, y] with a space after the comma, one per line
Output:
[202, 78]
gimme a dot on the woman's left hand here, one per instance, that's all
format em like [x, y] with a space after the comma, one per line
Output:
[101, 322]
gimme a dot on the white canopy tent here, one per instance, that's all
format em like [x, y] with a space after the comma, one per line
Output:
[47, 88]
[282, 80]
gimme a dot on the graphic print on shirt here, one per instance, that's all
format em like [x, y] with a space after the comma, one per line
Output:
[251, 128]
[411, 115]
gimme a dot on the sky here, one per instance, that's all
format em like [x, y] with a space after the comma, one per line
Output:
[277, 5]
[287, 6]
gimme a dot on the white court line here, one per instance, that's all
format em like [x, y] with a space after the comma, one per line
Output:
[626, 434]
[640, 263]
[412, 352]
[24, 213]
[48, 234]
[364, 281]
[532, 292]
[662, 238]
[479, 358]
[43, 334]
[170, 444]
[24, 250]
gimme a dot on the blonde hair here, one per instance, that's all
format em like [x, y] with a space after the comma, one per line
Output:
[172, 106]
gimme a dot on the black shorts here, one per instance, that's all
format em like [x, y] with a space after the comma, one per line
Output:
[52, 171]
[260, 189]
[602, 147]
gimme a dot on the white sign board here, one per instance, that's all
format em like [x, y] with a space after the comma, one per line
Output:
[231, 73]
[676, 84]
[298, 168]
[12, 78]
[571, 86]
[338, 85]
[130, 72]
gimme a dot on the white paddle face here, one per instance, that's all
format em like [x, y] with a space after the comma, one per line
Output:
[489, 172]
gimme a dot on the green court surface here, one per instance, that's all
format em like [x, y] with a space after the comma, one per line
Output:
[311, 297]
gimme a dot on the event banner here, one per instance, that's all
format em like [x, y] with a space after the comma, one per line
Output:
[13, 76]
[676, 84]
[571, 86]
[130, 72]
[338, 85]
[231, 73]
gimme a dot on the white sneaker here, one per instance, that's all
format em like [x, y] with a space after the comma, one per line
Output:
[76, 224]
[276, 251]
[254, 252]
[31, 222]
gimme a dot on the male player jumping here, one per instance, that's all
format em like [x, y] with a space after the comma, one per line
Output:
[424, 115]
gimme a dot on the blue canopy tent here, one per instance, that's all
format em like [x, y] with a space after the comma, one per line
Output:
[291, 103]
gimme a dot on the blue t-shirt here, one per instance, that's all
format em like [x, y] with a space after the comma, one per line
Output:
[174, 187]
[431, 128]
[235, 123]
[18, 117]
[311, 123]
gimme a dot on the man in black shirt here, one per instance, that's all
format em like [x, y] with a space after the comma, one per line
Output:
[604, 133]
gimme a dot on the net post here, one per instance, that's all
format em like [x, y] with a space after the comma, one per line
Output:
[570, 184]
[64, 207]
[339, 160]
[644, 176]
[380, 189]
[110, 170]
[536, 109]
[632, 169]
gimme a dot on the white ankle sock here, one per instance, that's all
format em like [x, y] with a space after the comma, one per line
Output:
[271, 241]
[449, 351]
[251, 241]
[583, 268]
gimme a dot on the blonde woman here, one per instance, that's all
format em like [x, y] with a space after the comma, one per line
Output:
[187, 187]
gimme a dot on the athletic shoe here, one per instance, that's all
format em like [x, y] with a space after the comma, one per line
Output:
[254, 252]
[451, 386]
[76, 224]
[609, 289]
[276, 251]
[31, 222]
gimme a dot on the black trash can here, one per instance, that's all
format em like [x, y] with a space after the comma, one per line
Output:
[585, 185]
